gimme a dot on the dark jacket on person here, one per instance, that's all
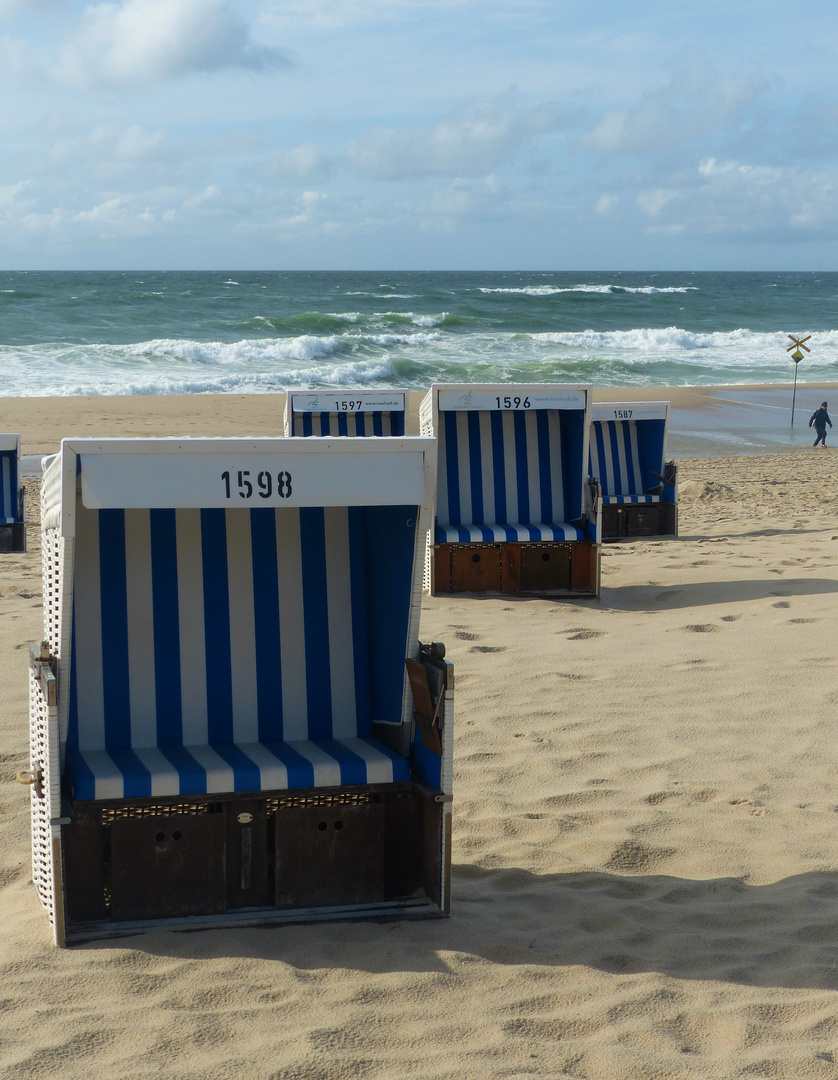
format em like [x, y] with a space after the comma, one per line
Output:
[820, 418]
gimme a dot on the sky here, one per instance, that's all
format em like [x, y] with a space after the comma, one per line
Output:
[419, 134]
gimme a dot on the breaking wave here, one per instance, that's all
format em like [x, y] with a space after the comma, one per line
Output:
[607, 290]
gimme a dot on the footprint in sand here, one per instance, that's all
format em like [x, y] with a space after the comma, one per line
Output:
[782, 604]
[584, 635]
[731, 618]
[702, 628]
[803, 620]
[487, 648]
[466, 635]
[661, 796]
[633, 856]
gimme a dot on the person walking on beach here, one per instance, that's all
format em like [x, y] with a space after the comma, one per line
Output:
[820, 418]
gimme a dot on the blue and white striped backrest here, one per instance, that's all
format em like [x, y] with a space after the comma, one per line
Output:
[9, 512]
[194, 627]
[615, 457]
[501, 467]
[355, 424]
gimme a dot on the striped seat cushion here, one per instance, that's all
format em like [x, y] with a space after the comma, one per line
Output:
[239, 630]
[470, 534]
[622, 500]
[616, 461]
[504, 476]
[232, 767]
[354, 424]
[9, 499]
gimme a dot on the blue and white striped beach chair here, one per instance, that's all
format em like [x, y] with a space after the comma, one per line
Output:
[628, 457]
[223, 728]
[514, 509]
[12, 507]
[346, 412]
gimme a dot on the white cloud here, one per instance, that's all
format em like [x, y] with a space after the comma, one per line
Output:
[654, 202]
[307, 162]
[694, 101]
[144, 41]
[340, 13]
[472, 142]
[210, 193]
[607, 204]
[9, 194]
[733, 199]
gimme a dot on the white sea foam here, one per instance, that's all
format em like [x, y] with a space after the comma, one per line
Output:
[614, 290]
[304, 347]
[429, 320]
[400, 339]
[415, 357]
[733, 343]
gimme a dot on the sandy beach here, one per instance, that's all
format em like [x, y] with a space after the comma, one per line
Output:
[645, 862]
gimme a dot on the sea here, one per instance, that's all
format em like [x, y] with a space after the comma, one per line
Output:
[70, 333]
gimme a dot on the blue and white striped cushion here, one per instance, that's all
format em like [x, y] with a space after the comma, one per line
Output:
[465, 534]
[501, 477]
[198, 634]
[232, 767]
[354, 424]
[622, 500]
[8, 488]
[615, 459]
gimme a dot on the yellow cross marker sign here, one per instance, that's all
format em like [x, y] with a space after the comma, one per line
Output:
[797, 345]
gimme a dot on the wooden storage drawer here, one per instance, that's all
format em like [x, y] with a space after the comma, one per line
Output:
[168, 866]
[330, 855]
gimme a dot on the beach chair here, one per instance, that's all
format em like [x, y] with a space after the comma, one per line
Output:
[232, 719]
[346, 412]
[628, 457]
[12, 503]
[515, 511]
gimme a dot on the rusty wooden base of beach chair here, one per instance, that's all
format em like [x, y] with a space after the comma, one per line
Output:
[284, 856]
[536, 567]
[625, 522]
[13, 537]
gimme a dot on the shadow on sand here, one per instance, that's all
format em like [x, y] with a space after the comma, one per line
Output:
[700, 593]
[782, 935]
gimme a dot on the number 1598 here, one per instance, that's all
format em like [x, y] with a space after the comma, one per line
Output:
[262, 484]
